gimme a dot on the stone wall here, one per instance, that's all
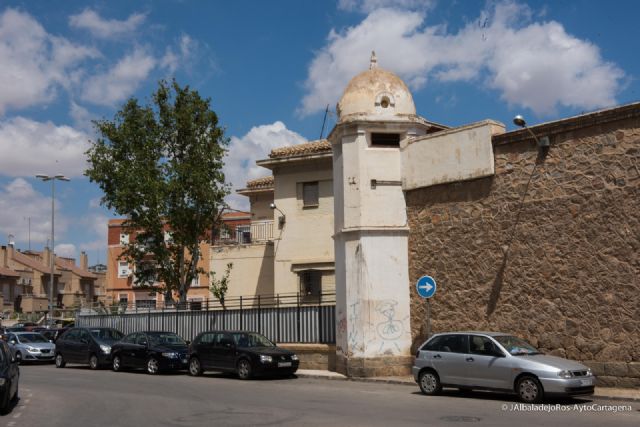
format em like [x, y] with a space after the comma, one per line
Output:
[561, 269]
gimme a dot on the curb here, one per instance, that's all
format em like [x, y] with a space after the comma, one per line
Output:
[413, 384]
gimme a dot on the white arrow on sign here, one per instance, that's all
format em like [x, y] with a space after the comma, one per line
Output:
[427, 286]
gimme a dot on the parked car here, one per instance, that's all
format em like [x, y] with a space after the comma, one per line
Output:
[245, 353]
[31, 346]
[90, 346]
[9, 377]
[155, 351]
[497, 361]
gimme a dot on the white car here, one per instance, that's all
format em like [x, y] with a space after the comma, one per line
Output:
[500, 362]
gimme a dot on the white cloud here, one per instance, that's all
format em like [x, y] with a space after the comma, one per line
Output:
[28, 147]
[240, 163]
[121, 80]
[534, 65]
[176, 56]
[67, 250]
[32, 62]
[106, 28]
[20, 201]
[371, 5]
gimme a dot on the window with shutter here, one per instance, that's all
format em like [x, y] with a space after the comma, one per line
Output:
[310, 194]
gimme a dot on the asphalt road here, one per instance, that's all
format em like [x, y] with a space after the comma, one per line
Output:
[76, 396]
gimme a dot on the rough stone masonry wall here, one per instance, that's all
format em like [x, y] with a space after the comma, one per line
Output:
[570, 282]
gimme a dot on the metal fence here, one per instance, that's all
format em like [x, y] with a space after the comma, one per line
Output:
[282, 318]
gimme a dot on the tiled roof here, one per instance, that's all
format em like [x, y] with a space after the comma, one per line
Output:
[313, 147]
[67, 264]
[260, 183]
[7, 272]
[33, 263]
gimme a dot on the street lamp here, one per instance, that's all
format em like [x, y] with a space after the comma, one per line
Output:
[53, 243]
[281, 219]
[520, 122]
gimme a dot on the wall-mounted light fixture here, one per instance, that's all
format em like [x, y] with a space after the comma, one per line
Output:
[543, 142]
[282, 218]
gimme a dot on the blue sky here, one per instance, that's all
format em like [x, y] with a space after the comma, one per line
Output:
[270, 68]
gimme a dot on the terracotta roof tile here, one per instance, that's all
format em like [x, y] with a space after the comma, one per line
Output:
[67, 264]
[313, 147]
[7, 272]
[260, 183]
[33, 263]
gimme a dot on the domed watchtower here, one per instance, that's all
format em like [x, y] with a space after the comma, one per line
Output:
[376, 116]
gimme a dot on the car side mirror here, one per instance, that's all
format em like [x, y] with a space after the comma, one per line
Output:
[188, 342]
[12, 341]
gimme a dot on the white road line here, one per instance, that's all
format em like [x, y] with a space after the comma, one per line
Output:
[17, 415]
[27, 401]
[11, 423]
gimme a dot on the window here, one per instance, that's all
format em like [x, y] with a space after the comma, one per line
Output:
[482, 345]
[385, 140]
[310, 194]
[124, 239]
[123, 299]
[130, 339]
[310, 283]
[448, 343]
[123, 269]
[145, 303]
[243, 234]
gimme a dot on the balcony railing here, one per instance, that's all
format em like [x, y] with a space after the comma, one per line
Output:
[256, 232]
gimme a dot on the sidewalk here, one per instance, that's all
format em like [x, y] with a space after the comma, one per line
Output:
[627, 394]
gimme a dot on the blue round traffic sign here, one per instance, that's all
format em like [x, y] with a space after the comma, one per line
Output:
[426, 286]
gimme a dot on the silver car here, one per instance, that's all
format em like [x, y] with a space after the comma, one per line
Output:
[31, 346]
[500, 362]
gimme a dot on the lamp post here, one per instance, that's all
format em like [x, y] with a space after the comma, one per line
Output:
[53, 179]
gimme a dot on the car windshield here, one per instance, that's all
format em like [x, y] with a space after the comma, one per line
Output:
[165, 338]
[107, 334]
[244, 339]
[31, 338]
[516, 346]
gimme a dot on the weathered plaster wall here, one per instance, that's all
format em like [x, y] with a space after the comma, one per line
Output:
[252, 271]
[571, 281]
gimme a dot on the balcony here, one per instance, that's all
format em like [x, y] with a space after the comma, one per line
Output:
[256, 232]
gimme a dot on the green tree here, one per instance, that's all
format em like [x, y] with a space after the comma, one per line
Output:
[160, 166]
[219, 287]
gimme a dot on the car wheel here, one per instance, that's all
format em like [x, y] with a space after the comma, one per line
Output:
[93, 362]
[153, 366]
[116, 363]
[244, 369]
[529, 389]
[195, 369]
[60, 362]
[429, 383]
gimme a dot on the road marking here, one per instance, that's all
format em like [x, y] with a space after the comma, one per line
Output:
[17, 415]
[27, 401]
[11, 423]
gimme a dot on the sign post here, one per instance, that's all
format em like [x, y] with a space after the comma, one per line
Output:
[426, 288]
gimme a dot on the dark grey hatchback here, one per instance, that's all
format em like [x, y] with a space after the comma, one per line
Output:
[90, 346]
[245, 353]
[155, 351]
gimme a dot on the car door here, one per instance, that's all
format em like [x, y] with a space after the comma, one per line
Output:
[82, 348]
[12, 366]
[222, 351]
[141, 350]
[487, 365]
[204, 349]
[65, 343]
[448, 356]
[127, 350]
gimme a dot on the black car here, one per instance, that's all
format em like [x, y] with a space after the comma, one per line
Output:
[87, 346]
[9, 377]
[245, 353]
[155, 351]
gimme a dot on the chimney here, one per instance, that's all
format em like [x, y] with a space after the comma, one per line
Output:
[84, 261]
[8, 255]
[46, 256]
[3, 256]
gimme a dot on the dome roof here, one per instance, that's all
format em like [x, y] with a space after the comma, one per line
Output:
[375, 94]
